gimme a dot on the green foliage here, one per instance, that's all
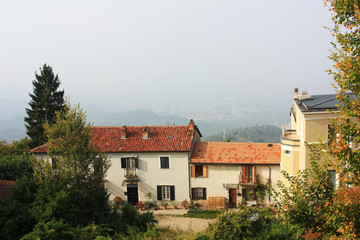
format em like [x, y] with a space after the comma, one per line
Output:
[76, 181]
[346, 74]
[45, 101]
[243, 224]
[258, 133]
[205, 214]
[14, 166]
[303, 202]
[14, 148]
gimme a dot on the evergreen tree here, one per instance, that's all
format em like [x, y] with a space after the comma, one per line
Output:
[45, 101]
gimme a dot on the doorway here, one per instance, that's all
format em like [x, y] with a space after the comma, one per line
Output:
[132, 194]
[232, 197]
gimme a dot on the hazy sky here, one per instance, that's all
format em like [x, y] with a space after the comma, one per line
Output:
[129, 52]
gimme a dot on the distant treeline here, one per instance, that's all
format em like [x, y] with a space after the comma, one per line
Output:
[258, 133]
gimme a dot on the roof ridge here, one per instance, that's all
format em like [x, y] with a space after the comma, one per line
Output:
[140, 126]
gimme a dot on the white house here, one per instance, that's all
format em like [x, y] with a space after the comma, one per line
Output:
[146, 159]
[234, 170]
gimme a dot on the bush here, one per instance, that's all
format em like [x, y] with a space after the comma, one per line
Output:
[245, 224]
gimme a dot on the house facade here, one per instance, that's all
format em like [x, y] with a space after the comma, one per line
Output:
[310, 121]
[234, 170]
[146, 161]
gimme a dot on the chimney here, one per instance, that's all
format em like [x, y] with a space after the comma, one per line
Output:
[123, 132]
[191, 125]
[146, 133]
[304, 95]
[296, 93]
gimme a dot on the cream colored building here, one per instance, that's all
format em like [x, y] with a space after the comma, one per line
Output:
[146, 159]
[234, 170]
[310, 121]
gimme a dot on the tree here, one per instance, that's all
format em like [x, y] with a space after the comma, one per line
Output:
[45, 101]
[346, 73]
[77, 178]
[304, 201]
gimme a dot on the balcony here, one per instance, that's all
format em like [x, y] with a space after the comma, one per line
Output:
[130, 175]
[288, 133]
[250, 181]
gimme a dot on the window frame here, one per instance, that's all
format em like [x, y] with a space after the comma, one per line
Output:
[198, 193]
[166, 190]
[166, 164]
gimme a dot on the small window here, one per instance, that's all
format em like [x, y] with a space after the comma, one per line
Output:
[287, 152]
[130, 162]
[98, 165]
[198, 193]
[54, 162]
[164, 162]
[198, 170]
[166, 192]
[331, 134]
[332, 175]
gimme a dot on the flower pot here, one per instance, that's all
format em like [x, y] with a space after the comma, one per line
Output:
[165, 207]
[175, 207]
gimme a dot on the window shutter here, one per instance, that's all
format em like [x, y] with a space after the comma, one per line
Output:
[204, 193]
[244, 174]
[193, 171]
[159, 195]
[172, 193]
[136, 163]
[204, 171]
[193, 193]
[123, 162]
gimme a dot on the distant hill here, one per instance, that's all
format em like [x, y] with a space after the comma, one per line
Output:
[258, 133]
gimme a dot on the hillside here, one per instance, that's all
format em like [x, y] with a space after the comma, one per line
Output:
[258, 133]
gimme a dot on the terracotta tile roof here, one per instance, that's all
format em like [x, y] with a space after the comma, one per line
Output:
[6, 190]
[161, 139]
[236, 153]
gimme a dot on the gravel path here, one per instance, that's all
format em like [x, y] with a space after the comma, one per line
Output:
[182, 224]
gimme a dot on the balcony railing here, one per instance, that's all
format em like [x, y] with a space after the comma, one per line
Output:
[248, 180]
[288, 133]
[130, 174]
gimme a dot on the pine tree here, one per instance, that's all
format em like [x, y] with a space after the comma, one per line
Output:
[45, 101]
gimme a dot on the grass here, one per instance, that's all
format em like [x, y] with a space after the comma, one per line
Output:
[204, 214]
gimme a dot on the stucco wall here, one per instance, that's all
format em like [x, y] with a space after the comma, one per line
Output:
[150, 175]
[219, 176]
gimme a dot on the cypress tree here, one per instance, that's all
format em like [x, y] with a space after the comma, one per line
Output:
[45, 101]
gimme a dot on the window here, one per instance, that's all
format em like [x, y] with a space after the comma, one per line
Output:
[198, 193]
[248, 174]
[331, 134]
[130, 164]
[199, 171]
[166, 192]
[54, 162]
[332, 175]
[98, 166]
[164, 162]
[287, 152]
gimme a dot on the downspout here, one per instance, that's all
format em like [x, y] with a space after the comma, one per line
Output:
[189, 174]
[269, 182]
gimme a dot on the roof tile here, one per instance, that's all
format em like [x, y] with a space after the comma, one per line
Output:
[236, 153]
[109, 139]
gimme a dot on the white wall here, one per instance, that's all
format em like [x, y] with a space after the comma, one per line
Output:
[150, 175]
[219, 176]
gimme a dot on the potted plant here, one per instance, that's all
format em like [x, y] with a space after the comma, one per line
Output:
[140, 205]
[165, 205]
[117, 201]
[185, 204]
[175, 206]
